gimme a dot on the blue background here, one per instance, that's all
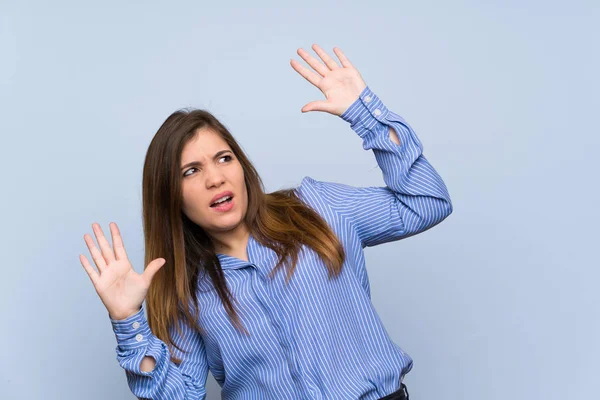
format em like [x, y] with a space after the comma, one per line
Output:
[498, 301]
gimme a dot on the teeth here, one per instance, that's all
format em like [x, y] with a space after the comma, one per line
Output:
[222, 199]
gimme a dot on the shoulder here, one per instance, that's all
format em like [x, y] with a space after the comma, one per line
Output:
[328, 197]
[310, 192]
[309, 189]
[335, 194]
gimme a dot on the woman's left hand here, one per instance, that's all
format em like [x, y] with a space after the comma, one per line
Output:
[340, 85]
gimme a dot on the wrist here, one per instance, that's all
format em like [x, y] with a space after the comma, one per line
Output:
[120, 315]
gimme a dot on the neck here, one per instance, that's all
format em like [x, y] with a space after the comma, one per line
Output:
[233, 242]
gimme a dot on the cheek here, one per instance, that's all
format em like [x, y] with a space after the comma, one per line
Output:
[244, 190]
[192, 199]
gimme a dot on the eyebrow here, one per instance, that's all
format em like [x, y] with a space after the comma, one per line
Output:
[199, 163]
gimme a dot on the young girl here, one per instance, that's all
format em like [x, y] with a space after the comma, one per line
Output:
[267, 290]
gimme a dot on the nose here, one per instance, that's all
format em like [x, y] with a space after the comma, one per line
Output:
[214, 177]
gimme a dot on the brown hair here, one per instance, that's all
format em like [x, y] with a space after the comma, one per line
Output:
[278, 220]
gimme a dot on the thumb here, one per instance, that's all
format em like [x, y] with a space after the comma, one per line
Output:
[317, 106]
[153, 268]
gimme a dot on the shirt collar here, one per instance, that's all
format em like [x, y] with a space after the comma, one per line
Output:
[230, 262]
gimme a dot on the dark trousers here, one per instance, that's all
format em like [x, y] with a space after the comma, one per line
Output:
[400, 394]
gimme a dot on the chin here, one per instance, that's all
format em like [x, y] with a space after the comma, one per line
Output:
[230, 224]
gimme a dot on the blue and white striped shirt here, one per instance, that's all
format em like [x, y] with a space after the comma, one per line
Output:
[314, 338]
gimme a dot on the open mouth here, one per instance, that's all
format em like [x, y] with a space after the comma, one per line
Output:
[226, 200]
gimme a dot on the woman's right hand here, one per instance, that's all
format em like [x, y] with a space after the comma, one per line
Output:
[121, 289]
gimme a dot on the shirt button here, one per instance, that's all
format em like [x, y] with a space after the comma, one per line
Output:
[136, 325]
[368, 99]
[139, 337]
[377, 112]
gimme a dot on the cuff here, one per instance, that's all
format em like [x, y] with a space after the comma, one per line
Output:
[133, 332]
[365, 112]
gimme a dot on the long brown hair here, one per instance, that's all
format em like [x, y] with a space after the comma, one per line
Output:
[278, 220]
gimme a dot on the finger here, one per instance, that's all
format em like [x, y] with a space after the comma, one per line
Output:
[89, 269]
[107, 251]
[306, 73]
[117, 240]
[330, 62]
[343, 59]
[96, 255]
[313, 62]
[153, 268]
[318, 106]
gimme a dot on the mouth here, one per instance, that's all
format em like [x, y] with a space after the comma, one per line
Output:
[222, 201]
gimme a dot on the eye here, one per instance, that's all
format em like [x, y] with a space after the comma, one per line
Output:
[229, 158]
[186, 172]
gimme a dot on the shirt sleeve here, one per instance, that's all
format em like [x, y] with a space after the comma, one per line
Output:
[414, 199]
[167, 381]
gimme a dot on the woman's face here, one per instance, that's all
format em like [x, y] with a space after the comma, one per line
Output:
[209, 168]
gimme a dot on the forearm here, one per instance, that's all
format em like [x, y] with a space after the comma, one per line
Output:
[148, 364]
[394, 136]
[151, 374]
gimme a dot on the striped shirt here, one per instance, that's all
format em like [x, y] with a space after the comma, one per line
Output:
[315, 338]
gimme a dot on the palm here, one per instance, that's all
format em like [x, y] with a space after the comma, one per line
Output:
[121, 289]
[335, 84]
[340, 85]
[120, 285]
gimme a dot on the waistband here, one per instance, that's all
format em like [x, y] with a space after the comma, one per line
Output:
[400, 394]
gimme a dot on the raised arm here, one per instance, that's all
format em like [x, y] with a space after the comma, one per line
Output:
[167, 381]
[415, 197]
[122, 290]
